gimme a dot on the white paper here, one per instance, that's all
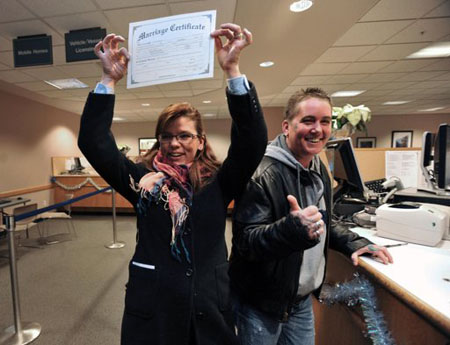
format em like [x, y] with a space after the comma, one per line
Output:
[171, 49]
[404, 165]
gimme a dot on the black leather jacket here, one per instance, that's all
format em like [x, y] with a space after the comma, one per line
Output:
[268, 242]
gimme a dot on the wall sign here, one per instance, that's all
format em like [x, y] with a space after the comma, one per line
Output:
[80, 43]
[33, 50]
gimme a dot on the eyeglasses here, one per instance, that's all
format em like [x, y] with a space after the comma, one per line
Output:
[183, 138]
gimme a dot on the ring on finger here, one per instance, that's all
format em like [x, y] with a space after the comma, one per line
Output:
[317, 232]
[239, 36]
[317, 224]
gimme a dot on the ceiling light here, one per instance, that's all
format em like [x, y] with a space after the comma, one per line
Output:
[267, 64]
[432, 109]
[395, 102]
[207, 102]
[64, 84]
[347, 93]
[439, 49]
[118, 119]
[145, 104]
[300, 6]
[209, 115]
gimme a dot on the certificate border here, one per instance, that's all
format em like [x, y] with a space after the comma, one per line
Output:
[131, 83]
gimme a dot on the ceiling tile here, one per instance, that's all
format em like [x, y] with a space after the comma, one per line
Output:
[27, 28]
[82, 70]
[364, 67]
[424, 30]
[46, 8]
[395, 85]
[225, 9]
[36, 86]
[15, 76]
[110, 4]
[371, 33]
[184, 85]
[207, 84]
[323, 68]
[5, 44]
[344, 54]
[345, 78]
[419, 76]
[383, 77]
[406, 65]
[180, 93]
[393, 51]
[7, 58]
[13, 10]
[440, 11]
[149, 94]
[46, 73]
[79, 21]
[428, 84]
[120, 19]
[307, 80]
[389, 10]
[439, 65]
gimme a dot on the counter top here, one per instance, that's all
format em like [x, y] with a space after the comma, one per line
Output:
[420, 275]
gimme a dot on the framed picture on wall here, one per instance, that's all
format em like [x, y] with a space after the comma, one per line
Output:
[366, 142]
[401, 138]
[145, 144]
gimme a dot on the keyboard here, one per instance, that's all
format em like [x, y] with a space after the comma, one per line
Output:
[375, 185]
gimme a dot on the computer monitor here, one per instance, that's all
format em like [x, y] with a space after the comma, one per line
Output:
[435, 163]
[344, 168]
[77, 168]
[442, 157]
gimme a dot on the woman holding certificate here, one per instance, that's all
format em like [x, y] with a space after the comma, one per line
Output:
[178, 289]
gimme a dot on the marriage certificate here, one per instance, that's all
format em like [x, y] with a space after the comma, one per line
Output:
[171, 49]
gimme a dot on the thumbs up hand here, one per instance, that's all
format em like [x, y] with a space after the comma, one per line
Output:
[310, 217]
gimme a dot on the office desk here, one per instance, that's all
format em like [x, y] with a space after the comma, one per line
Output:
[411, 293]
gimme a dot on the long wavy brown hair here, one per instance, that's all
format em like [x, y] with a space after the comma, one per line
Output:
[205, 163]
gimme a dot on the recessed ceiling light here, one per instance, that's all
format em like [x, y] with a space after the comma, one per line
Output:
[209, 115]
[347, 93]
[145, 104]
[439, 49]
[395, 102]
[432, 109]
[207, 101]
[118, 119]
[300, 6]
[267, 64]
[64, 84]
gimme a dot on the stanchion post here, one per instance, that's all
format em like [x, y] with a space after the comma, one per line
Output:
[115, 244]
[20, 333]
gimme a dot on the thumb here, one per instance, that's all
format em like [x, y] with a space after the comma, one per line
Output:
[293, 203]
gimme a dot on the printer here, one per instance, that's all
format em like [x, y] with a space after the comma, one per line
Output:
[413, 222]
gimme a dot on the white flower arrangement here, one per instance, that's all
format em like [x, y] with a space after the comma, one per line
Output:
[355, 117]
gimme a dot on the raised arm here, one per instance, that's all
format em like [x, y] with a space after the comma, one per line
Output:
[248, 130]
[95, 138]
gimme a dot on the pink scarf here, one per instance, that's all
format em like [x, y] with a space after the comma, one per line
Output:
[166, 185]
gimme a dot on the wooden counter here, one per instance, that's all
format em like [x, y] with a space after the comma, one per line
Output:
[411, 294]
[98, 202]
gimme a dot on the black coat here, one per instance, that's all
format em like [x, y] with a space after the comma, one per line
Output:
[268, 242]
[168, 298]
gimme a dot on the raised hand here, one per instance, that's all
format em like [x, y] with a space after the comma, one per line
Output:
[310, 217]
[228, 53]
[114, 60]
